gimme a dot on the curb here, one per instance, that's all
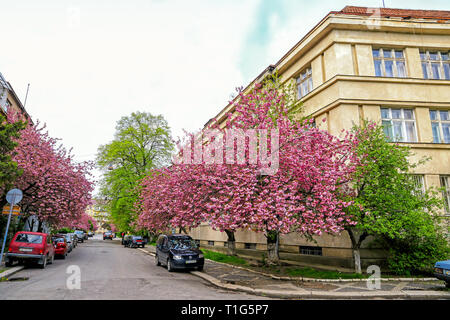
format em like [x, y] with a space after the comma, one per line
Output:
[10, 272]
[309, 294]
[305, 294]
[324, 280]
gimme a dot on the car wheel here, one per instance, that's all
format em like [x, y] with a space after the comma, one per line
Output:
[43, 265]
[64, 256]
[157, 260]
[447, 284]
[200, 268]
[8, 264]
[169, 265]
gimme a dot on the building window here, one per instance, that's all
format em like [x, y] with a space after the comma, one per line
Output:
[312, 251]
[389, 63]
[440, 124]
[445, 184]
[399, 124]
[419, 183]
[304, 83]
[250, 246]
[210, 243]
[435, 65]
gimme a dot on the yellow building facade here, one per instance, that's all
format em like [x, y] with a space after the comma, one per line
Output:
[387, 65]
[10, 101]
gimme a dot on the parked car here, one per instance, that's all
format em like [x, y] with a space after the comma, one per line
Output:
[75, 239]
[34, 247]
[442, 271]
[70, 242]
[136, 241]
[60, 243]
[126, 239]
[91, 234]
[80, 235]
[108, 235]
[178, 251]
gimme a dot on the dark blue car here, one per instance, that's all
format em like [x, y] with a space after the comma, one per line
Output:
[178, 251]
[442, 271]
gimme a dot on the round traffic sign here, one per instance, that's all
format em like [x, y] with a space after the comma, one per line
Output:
[14, 196]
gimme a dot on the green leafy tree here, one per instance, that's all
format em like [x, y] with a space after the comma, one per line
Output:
[388, 203]
[142, 142]
[9, 132]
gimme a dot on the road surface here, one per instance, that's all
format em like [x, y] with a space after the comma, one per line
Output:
[110, 271]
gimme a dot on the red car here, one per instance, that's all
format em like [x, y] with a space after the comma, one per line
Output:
[61, 247]
[30, 246]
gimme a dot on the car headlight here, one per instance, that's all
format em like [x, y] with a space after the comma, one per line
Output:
[201, 256]
[177, 257]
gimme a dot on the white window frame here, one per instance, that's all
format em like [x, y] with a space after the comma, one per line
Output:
[419, 181]
[393, 58]
[428, 61]
[403, 121]
[445, 183]
[307, 78]
[439, 121]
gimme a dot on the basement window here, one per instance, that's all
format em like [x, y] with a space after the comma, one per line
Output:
[210, 243]
[312, 251]
[250, 246]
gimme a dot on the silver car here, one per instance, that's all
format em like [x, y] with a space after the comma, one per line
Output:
[70, 241]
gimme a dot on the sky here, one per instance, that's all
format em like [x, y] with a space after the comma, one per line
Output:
[89, 63]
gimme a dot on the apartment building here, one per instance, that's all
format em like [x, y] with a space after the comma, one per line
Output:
[97, 212]
[387, 65]
[10, 100]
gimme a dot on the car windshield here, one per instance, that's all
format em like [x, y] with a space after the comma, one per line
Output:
[181, 244]
[29, 238]
[69, 238]
[137, 238]
[58, 239]
[79, 232]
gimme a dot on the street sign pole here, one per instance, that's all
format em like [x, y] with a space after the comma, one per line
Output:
[13, 197]
[6, 232]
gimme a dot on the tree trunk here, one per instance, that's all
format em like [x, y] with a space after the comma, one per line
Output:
[183, 230]
[273, 257]
[231, 243]
[357, 260]
[356, 245]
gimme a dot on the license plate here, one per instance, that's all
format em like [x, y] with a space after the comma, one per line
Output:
[191, 261]
[25, 249]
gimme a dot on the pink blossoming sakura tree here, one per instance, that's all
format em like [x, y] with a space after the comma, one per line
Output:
[55, 188]
[303, 195]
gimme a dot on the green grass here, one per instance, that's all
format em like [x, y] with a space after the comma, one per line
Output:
[322, 274]
[3, 269]
[224, 258]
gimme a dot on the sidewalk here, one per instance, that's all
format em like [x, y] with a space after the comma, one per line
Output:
[239, 279]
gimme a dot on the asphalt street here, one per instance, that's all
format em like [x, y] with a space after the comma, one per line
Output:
[109, 271]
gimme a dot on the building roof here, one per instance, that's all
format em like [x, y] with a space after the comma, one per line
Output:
[403, 13]
[439, 15]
